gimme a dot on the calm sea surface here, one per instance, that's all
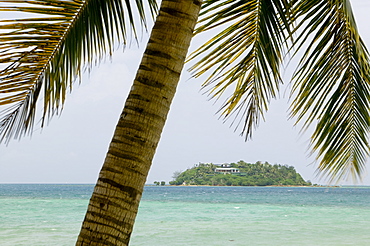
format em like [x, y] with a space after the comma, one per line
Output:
[51, 215]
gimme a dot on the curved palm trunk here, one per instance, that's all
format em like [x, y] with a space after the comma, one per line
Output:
[114, 204]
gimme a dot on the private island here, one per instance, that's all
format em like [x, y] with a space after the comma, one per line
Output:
[240, 174]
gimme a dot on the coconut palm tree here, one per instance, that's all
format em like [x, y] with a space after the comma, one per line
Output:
[49, 51]
[114, 203]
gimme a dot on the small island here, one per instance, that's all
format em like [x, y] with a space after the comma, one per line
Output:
[240, 174]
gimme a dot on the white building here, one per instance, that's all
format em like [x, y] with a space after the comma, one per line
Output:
[226, 170]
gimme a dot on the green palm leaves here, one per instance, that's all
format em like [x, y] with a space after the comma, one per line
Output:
[331, 84]
[48, 50]
[332, 87]
[246, 55]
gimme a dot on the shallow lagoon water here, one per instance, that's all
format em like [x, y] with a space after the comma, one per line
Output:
[52, 215]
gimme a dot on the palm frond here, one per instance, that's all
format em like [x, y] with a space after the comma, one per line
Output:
[244, 57]
[50, 47]
[332, 87]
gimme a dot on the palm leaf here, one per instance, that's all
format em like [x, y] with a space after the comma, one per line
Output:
[245, 56]
[50, 47]
[332, 86]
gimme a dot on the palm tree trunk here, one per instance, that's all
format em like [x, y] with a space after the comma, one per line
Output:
[114, 204]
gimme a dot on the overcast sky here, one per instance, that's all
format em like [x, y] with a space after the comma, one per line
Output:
[72, 148]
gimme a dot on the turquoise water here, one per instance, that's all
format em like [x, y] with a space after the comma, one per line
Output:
[52, 215]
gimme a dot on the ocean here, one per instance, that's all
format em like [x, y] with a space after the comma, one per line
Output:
[47, 214]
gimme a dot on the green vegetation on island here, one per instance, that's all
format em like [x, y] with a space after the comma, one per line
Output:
[162, 183]
[239, 174]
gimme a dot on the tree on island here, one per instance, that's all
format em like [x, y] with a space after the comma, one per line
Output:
[162, 183]
[247, 174]
[49, 51]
